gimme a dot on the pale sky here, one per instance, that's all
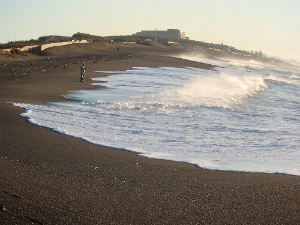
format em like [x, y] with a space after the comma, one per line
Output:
[270, 26]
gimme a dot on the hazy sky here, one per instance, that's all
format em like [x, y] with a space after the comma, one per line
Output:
[270, 26]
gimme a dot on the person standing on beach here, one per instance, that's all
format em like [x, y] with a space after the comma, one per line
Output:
[83, 68]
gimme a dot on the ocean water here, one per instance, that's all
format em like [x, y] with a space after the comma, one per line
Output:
[239, 116]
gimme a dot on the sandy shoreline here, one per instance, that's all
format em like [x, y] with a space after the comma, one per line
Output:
[48, 178]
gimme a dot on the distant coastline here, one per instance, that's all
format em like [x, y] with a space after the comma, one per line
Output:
[37, 46]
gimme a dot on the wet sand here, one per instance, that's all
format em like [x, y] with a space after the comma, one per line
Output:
[49, 178]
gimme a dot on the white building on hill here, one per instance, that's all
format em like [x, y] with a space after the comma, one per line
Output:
[170, 33]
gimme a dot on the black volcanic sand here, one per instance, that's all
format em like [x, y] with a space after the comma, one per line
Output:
[49, 178]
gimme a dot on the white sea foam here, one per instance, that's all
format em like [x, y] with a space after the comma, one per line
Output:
[239, 117]
[218, 88]
[222, 89]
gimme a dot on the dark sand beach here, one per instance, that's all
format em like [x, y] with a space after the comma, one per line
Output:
[49, 178]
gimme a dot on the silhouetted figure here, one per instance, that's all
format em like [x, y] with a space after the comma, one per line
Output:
[83, 68]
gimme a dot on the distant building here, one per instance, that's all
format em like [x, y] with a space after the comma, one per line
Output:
[170, 33]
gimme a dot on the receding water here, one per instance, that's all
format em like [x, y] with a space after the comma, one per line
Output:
[242, 116]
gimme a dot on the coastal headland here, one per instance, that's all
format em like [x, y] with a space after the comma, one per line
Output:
[49, 178]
